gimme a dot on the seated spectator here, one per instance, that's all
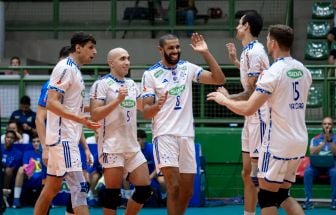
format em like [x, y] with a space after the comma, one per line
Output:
[15, 62]
[323, 144]
[157, 181]
[332, 61]
[186, 13]
[25, 116]
[11, 160]
[29, 175]
[22, 138]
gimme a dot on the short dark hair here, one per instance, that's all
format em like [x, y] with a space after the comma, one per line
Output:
[64, 52]
[25, 100]
[141, 133]
[80, 38]
[255, 22]
[13, 132]
[164, 38]
[15, 58]
[283, 34]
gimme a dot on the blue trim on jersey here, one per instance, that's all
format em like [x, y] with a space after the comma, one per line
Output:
[66, 152]
[115, 79]
[156, 148]
[262, 127]
[269, 129]
[253, 74]
[199, 74]
[148, 95]
[258, 89]
[56, 89]
[265, 162]
[250, 45]
[44, 95]
[71, 62]
[155, 66]
[287, 159]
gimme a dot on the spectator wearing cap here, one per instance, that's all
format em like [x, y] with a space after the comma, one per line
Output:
[25, 116]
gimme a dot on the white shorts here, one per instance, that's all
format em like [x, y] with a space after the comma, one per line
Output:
[128, 160]
[64, 157]
[175, 151]
[277, 170]
[252, 137]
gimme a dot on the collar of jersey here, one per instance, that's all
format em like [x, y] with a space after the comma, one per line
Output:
[168, 68]
[115, 79]
[281, 58]
[73, 62]
[250, 44]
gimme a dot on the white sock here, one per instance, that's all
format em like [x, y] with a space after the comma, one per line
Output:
[17, 192]
[90, 195]
[67, 213]
[249, 213]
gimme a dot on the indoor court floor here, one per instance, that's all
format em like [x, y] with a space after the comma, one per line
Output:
[217, 210]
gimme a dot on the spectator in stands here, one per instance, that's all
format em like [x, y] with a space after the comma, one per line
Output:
[332, 61]
[15, 62]
[22, 138]
[157, 181]
[25, 116]
[11, 160]
[332, 33]
[186, 13]
[323, 144]
[29, 175]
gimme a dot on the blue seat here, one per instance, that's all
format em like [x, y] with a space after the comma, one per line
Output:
[322, 10]
[318, 29]
[316, 50]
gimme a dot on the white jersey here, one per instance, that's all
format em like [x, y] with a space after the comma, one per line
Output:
[118, 131]
[253, 61]
[176, 115]
[288, 83]
[67, 80]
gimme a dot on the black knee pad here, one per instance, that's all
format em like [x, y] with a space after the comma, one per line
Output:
[267, 198]
[142, 194]
[283, 194]
[111, 198]
[69, 208]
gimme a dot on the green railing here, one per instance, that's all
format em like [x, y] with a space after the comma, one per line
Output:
[321, 99]
[112, 24]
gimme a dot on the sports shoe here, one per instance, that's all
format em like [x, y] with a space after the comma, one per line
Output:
[16, 203]
[333, 204]
[308, 205]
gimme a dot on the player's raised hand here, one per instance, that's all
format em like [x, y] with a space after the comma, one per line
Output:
[232, 52]
[218, 97]
[198, 43]
[123, 92]
[223, 91]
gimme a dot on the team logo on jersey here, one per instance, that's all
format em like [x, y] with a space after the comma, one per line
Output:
[158, 73]
[128, 103]
[177, 90]
[110, 82]
[164, 81]
[294, 73]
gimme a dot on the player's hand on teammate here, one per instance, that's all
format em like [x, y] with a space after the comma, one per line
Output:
[198, 43]
[232, 52]
[123, 92]
[218, 97]
[223, 91]
[85, 120]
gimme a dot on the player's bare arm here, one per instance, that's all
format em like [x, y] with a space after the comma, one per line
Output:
[151, 108]
[99, 111]
[215, 75]
[244, 108]
[41, 116]
[55, 106]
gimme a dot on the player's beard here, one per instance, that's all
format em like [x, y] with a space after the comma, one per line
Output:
[171, 61]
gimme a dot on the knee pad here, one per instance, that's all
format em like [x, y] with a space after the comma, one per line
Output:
[78, 192]
[111, 198]
[267, 198]
[142, 194]
[283, 194]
